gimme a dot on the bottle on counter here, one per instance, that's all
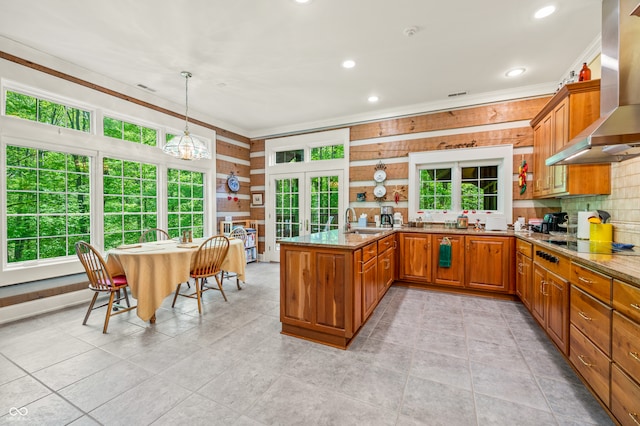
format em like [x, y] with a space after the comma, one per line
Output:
[585, 73]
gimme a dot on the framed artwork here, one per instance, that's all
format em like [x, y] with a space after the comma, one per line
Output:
[256, 198]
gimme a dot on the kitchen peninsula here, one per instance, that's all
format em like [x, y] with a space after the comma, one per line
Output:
[331, 282]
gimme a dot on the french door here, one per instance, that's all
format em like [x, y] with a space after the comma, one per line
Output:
[302, 204]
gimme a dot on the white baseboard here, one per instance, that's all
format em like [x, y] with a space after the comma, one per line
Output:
[44, 305]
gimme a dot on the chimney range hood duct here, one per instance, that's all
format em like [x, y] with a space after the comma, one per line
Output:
[615, 136]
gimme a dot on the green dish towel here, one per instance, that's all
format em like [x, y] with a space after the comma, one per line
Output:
[445, 256]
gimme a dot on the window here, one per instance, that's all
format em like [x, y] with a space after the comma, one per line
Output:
[185, 192]
[479, 188]
[325, 194]
[329, 152]
[48, 203]
[292, 156]
[47, 112]
[130, 200]
[479, 180]
[435, 189]
[131, 132]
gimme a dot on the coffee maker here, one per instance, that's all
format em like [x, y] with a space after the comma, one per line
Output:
[386, 216]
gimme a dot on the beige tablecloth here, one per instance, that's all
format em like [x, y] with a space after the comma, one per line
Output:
[153, 270]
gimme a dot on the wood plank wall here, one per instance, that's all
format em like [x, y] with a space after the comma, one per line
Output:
[391, 140]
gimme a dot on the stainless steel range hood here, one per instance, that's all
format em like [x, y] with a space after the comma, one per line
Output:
[615, 136]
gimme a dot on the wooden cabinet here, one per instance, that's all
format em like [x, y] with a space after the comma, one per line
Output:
[386, 264]
[369, 279]
[489, 263]
[415, 257]
[524, 272]
[550, 295]
[454, 275]
[625, 353]
[570, 110]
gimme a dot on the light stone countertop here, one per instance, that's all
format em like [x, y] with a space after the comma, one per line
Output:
[622, 267]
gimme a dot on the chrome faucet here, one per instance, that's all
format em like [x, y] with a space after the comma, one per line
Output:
[347, 224]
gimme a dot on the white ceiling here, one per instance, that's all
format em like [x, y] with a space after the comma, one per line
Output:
[264, 67]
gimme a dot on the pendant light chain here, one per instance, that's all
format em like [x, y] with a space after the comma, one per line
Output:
[186, 75]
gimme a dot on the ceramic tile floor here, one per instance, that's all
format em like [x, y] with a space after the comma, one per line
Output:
[424, 358]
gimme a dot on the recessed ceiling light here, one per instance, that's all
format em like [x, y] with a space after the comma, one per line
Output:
[514, 72]
[544, 12]
[349, 63]
[303, 1]
[373, 99]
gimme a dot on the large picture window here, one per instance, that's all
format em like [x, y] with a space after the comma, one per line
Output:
[185, 198]
[130, 200]
[48, 203]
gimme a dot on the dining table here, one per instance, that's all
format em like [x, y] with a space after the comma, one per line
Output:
[154, 269]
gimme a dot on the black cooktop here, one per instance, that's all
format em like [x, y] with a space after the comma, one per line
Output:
[594, 247]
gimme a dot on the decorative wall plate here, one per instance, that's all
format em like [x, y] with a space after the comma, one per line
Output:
[233, 183]
[379, 191]
[379, 176]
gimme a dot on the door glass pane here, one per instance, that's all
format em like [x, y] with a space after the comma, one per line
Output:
[287, 208]
[324, 203]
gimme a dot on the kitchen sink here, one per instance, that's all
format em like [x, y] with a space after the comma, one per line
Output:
[367, 231]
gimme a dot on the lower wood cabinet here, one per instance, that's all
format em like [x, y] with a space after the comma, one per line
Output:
[415, 257]
[452, 276]
[592, 363]
[524, 272]
[550, 295]
[369, 274]
[625, 398]
[489, 263]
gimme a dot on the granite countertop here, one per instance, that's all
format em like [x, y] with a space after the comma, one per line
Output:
[619, 266]
[623, 267]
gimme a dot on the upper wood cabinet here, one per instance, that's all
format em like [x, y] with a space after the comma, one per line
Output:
[569, 112]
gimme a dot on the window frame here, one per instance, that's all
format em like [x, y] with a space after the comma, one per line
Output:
[33, 134]
[499, 155]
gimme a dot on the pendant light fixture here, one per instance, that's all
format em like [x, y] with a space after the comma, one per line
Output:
[186, 147]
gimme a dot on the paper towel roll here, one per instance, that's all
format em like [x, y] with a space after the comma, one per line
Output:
[583, 224]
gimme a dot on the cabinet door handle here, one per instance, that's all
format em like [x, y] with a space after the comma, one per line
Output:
[635, 356]
[361, 271]
[388, 263]
[635, 306]
[585, 280]
[634, 417]
[581, 358]
[585, 316]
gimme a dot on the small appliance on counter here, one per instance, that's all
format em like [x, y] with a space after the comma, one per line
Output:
[552, 222]
[386, 216]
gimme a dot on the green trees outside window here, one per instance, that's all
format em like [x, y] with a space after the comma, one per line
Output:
[329, 152]
[44, 111]
[48, 203]
[185, 198]
[435, 189]
[119, 129]
[480, 188]
[130, 200]
[325, 196]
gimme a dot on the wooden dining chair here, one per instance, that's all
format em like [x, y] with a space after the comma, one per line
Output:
[207, 263]
[241, 234]
[153, 234]
[101, 281]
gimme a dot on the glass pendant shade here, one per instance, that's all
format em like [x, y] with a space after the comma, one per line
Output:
[186, 147]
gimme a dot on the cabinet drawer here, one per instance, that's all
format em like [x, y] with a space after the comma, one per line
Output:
[594, 283]
[552, 261]
[524, 247]
[626, 299]
[386, 243]
[369, 252]
[626, 345]
[592, 318]
[591, 362]
[625, 398]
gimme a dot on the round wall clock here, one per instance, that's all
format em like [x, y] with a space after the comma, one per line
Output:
[233, 183]
[379, 191]
[379, 176]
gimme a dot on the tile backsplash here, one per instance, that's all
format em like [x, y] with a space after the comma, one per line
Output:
[623, 203]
